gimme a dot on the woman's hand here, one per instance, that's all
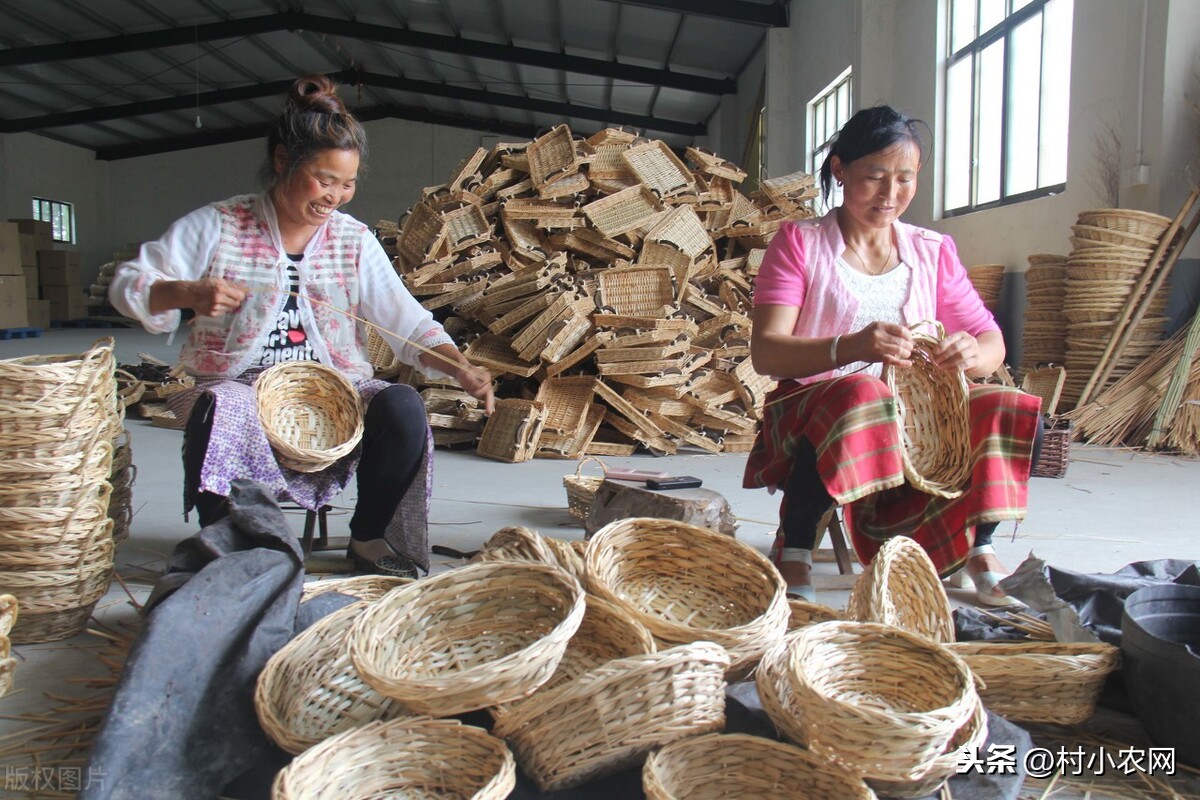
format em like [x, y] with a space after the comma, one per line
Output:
[958, 351]
[879, 341]
[477, 382]
[212, 297]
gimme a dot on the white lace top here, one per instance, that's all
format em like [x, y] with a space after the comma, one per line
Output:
[880, 299]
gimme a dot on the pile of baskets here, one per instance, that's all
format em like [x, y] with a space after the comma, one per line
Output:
[59, 418]
[988, 280]
[1043, 337]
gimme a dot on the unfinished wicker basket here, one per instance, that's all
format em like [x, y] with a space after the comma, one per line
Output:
[718, 766]
[309, 690]
[581, 489]
[686, 583]
[419, 758]
[891, 730]
[933, 417]
[470, 638]
[1054, 682]
[901, 587]
[612, 716]
[311, 413]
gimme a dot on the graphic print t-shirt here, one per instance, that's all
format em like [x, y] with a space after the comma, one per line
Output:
[288, 341]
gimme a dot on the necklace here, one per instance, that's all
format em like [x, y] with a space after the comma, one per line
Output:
[866, 266]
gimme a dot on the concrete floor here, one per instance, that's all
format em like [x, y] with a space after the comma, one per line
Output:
[1113, 507]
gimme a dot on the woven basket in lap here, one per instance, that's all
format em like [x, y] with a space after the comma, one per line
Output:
[422, 759]
[686, 583]
[581, 489]
[521, 544]
[932, 413]
[469, 638]
[719, 766]
[1055, 682]
[611, 717]
[363, 587]
[309, 690]
[901, 587]
[311, 413]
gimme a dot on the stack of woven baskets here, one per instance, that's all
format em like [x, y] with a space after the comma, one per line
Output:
[59, 417]
[1111, 249]
[987, 280]
[1043, 337]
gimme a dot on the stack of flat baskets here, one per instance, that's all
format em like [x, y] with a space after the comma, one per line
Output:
[987, 280]
[59, 416]
[311, 413]
[1043, 336]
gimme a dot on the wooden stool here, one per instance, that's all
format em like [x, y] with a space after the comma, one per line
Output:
[315, 520]
[832, 525]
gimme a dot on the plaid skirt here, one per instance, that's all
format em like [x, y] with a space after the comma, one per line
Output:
[852, 424]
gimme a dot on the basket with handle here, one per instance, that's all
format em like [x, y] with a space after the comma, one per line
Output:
[933, 419]
[635, 290]
[417, 758]
[470, 638]
[626, 210]
[311, 413]
[551, 156]
[659, 169]
[512, 431]
[901, 587]
[581, 489]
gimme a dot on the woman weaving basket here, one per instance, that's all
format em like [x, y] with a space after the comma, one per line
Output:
[834, 302]
[284, 276]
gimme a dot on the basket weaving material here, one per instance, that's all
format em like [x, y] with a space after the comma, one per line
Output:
[901, 588]
[686, 583]
[420, 759]
[309, 690]
[611, 717]
[881, 701]
[470, 638]
[581, 489]
[1055, 682]
[932, 414]
[719, 766]
[311, 413]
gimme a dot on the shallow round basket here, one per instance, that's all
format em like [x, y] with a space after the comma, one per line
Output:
[934, 421]
[581, 489]
[363, 587]
[1126, 220]
[884, 702]
[309, 690]
[719, 766]
[517, 543]
[421, 759]
[1090, 234]
[686, 583]
[610, 717]
[901, 587]
[1055, 682]
[40, 379]
[478, 636]
[311, 413]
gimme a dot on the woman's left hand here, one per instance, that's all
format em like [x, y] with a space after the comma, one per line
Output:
[958, 351]
[477, 382]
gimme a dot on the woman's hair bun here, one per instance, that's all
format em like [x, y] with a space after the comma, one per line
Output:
[317, 93]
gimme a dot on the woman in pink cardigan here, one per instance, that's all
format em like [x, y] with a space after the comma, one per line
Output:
[833, 302]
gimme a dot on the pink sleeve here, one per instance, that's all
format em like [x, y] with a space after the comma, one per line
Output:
[958, 305]
[781, 279]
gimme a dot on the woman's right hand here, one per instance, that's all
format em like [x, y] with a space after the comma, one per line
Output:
[881, 341]
[213, 297]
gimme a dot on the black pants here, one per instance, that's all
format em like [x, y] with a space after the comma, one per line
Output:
[393, 444]
[806, 500]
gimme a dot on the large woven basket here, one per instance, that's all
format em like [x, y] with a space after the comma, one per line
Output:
[686, 583]
[419, 758]
[883, 702]
[737, 765]
[901, 587]
[470, 638]
[311, 413]
[935, 426]
[1056, 682]
[612, 716]
[309, 690]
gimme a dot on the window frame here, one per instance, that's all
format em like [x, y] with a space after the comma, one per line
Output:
[46, 205]
[827, 95]
[1002, 30]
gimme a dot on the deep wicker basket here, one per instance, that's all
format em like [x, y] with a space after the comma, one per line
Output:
[311, 413]
[686, 584]
[467, 639]
[419, 758]
[736, 765]
[901, 587]
[1056, 449]
[581, 489]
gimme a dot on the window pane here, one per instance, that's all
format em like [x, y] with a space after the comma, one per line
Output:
[1017, 5]
[988, 122]
[962, 24]
[1023, 97]
[843, 103]
[991, 14]
[958, 134]
[1056, 53]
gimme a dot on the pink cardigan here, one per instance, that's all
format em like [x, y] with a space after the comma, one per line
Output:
[799, 270]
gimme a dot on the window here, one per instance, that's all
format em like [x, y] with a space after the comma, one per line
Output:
[1007, 90]
[827, 113]
[61, 217]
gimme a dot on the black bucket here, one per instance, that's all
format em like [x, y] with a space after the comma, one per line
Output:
[1160, 650]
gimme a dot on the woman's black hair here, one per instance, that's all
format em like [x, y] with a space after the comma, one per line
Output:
[314, 119]
[869, 131]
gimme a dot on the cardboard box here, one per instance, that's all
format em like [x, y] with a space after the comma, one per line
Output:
[38, 312]
[32, 284]
[66, 302]
[42, 232]
[12, 302]
[10, 249]
[28, 249]
[59, 268]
